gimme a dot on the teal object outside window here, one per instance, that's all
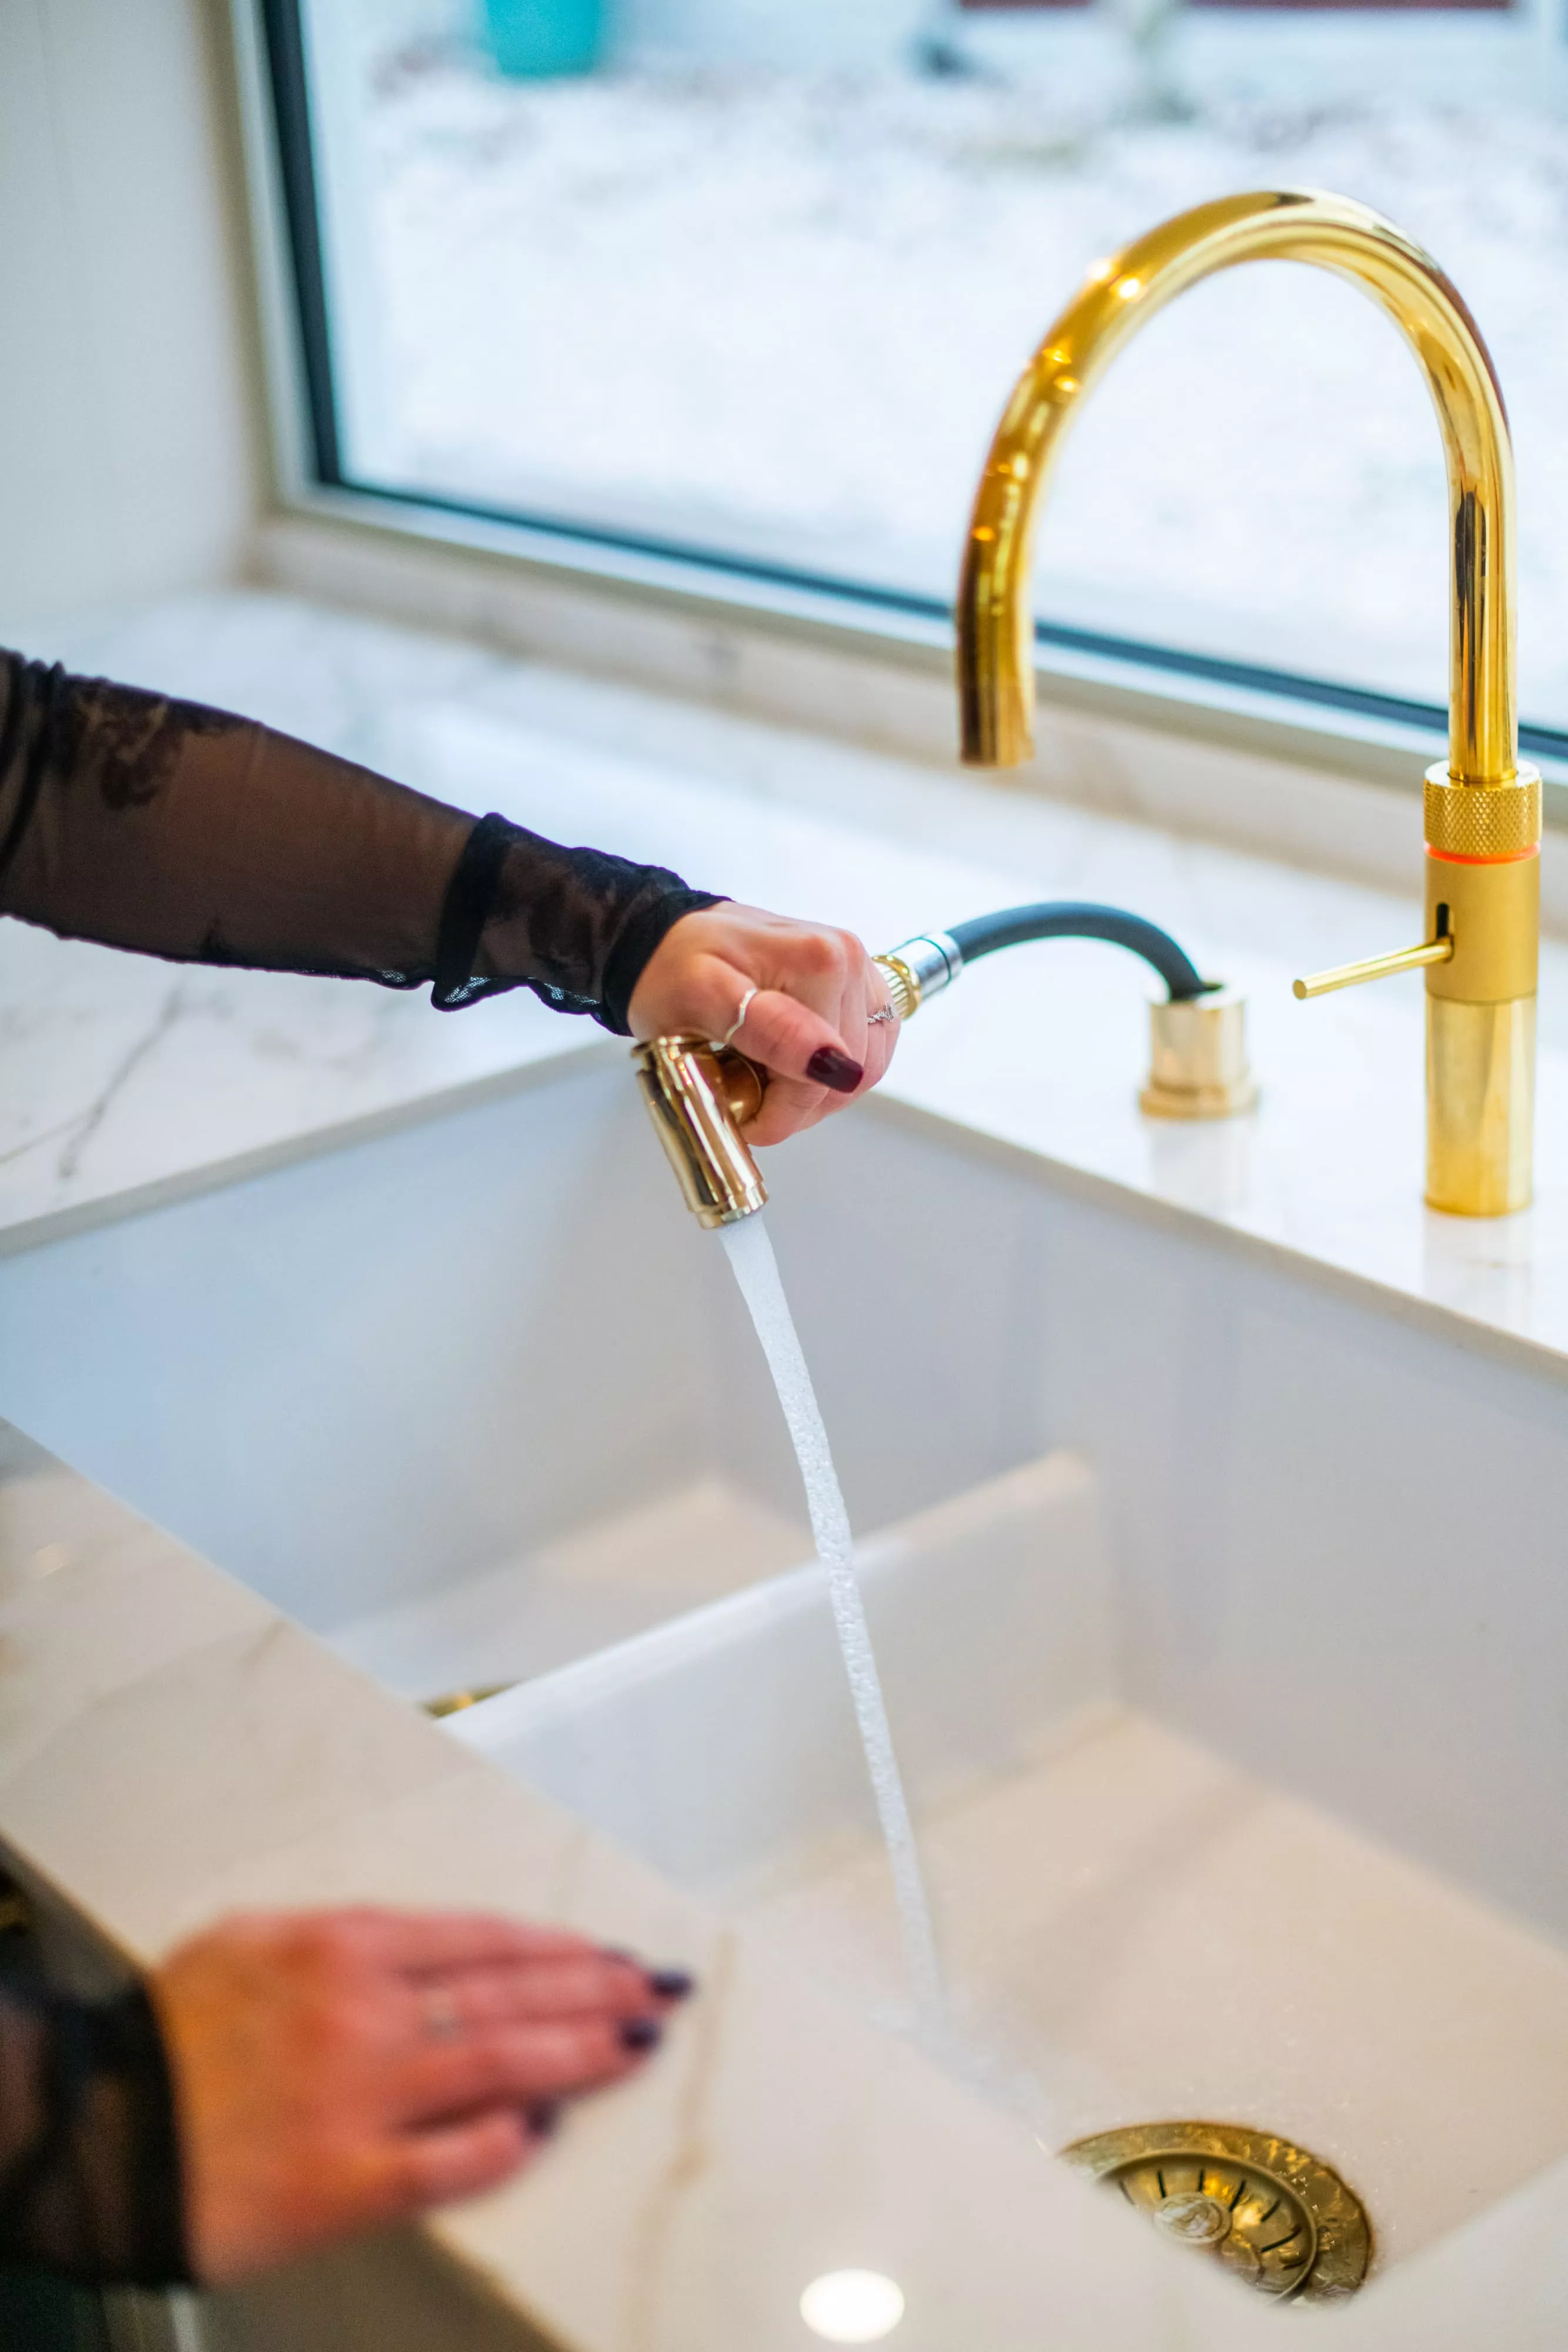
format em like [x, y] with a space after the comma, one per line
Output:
[529, 37]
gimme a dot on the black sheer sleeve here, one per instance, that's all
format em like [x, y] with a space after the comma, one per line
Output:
[155, 824]
[90, 2174]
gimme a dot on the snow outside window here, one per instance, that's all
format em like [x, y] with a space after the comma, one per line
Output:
[755, 286]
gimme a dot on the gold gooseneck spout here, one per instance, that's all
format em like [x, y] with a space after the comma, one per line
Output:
[996, 654]
[1482, 808]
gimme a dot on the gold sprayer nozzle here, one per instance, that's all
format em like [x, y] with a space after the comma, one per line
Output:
[699, 1096]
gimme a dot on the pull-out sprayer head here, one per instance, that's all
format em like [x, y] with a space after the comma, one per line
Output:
[701, 1096]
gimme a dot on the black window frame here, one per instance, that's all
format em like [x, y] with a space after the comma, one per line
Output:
[284, 62]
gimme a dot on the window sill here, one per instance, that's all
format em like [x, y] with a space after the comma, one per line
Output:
[1263, 771]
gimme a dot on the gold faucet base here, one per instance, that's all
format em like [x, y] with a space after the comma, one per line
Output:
[1481, 1091]
[1198, 1057]
[1196, 1102]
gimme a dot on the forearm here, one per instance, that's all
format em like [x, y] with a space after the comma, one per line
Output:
[161, 827]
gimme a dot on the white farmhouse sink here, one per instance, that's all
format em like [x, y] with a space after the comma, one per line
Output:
[476, 1397]
[1221, 1603]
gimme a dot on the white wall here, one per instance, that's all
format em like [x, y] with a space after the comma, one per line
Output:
[127, 440]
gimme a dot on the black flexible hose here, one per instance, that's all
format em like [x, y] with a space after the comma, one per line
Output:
[1064, 918]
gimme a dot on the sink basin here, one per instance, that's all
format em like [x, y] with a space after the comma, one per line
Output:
[1218, 1597]
[1135, 1926]
[473, 1398]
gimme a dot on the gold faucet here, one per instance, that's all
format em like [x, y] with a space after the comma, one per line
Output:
[1482, 806]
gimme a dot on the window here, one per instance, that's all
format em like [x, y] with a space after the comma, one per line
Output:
[750, 283]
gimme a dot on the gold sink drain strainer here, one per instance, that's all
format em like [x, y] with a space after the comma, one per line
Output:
[1269, 2212]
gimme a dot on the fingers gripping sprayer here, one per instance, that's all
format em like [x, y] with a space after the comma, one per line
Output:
[702, 1096]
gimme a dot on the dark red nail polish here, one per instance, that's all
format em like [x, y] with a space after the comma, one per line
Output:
[672, 1984]
[543, 2117]
[641, 2033]
[828, 1067]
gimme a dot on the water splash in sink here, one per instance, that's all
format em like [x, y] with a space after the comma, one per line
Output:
[755, 1268]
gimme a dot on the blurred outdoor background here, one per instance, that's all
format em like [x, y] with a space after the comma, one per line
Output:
[753, 278]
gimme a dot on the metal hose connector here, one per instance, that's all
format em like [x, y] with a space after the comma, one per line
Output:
[919, 967]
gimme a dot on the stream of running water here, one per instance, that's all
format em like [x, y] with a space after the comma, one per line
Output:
[755, 1269]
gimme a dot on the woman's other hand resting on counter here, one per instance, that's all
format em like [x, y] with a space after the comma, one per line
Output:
[803, 995]
[334, 2071]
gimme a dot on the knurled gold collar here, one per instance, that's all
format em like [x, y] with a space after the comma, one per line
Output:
[1482, 820]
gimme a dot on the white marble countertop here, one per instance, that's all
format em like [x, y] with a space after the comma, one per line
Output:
[779, 2138]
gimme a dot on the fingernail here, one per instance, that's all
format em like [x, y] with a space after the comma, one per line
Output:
[544, 2116]
[828, 1067]
[672, 1984]
[641, 2033]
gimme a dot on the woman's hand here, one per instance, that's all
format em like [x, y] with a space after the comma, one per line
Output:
[338, 2070]
[808, 995]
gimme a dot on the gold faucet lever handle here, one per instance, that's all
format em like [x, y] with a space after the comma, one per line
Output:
[1351, 975]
